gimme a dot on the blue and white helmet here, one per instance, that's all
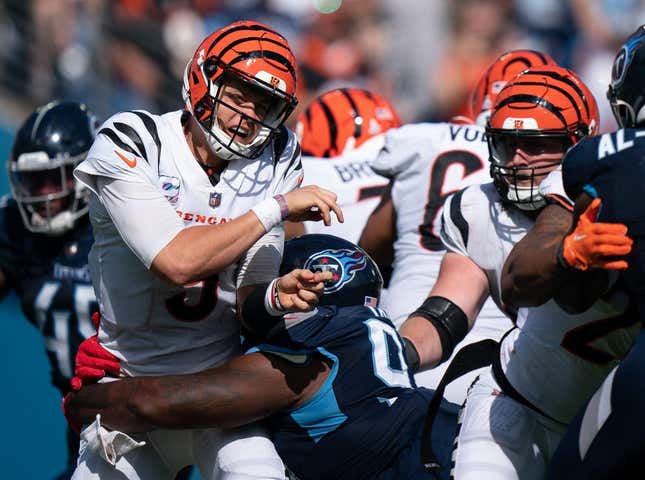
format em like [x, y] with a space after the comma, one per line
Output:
[356, 278]
[626, 92]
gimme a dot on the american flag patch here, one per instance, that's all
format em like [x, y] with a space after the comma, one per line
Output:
[370, 302]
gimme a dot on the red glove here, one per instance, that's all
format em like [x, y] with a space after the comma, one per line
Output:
[75, 426]
[93, 362]
[594, 244]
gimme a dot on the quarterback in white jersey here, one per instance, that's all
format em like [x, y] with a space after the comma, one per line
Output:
[516, 411]
[340, 131]
[186, 211]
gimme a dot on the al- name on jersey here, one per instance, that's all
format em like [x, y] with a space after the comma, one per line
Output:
[357, 186]
[427, 162]
[152, 326]
[52, 280]
[365, 421]
[555, 360]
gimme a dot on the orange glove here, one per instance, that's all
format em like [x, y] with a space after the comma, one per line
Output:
[594, 244]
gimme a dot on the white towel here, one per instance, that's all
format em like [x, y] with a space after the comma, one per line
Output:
[110, 445]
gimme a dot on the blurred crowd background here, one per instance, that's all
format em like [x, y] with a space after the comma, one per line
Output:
[423, 55]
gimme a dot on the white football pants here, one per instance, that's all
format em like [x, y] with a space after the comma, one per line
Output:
[242, 453]
[500, 438]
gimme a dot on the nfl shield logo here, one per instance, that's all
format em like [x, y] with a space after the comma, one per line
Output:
[215, 199]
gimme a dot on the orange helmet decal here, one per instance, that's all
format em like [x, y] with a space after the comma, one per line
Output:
[547, 99]
[343, 119]
[498, 74]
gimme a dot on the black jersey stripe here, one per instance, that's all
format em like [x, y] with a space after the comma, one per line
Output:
[457, 216]
[295, 160]
[114, 138]
[132, 134]
[151, 126]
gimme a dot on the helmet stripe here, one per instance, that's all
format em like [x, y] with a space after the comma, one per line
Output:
[238, 28]
[231, 45]
[538, 101]
[562, 91]
[266, 54]
[333, 129]
[358, 127]
[569, 82]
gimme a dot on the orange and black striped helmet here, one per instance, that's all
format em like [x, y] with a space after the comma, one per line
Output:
[343, 119]
[250, 54]
[538, 115]
[497, 75]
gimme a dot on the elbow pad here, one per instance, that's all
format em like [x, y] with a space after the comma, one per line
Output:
[450, 321]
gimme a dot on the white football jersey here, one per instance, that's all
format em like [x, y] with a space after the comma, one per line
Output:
[428, 162]
[553, 359]
[154, 327]
[357, 186]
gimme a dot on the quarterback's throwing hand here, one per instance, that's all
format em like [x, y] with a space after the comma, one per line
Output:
[299, 290]
[312, 203]
[594, 244]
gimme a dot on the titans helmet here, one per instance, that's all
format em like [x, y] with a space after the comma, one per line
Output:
[48, 145]
[356, 278]
[626, 92]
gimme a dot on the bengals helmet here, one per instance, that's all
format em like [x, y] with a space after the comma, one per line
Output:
[48, 145]
[343, 119]
[255, 58]
[543, 112]
[626, 93]
[497, 75]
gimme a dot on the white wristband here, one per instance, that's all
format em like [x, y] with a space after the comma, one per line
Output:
[271, 301]
[269, 213]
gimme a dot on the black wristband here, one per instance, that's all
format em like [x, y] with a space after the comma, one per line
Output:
[254, 315]
[411, 355]
[561, 262]
[450, 321]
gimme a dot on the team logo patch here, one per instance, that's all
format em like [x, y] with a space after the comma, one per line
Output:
[215, 199]
[170, 187]
[343, 264]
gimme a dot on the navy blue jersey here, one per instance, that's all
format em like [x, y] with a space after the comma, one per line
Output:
[612, 167]
[52, 280]
[366, 420]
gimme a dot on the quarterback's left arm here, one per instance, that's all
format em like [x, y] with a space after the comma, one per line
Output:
[552, 260]
[241, 391]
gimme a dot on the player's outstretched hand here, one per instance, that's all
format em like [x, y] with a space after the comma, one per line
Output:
[594, 244]
[312, 203]
[299, 290]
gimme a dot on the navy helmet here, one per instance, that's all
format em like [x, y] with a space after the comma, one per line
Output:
[626, 91]
[46, 149]
[356, 278]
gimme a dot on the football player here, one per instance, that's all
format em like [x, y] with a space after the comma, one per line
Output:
[187, 210]
[45, 236]
[601, 174]
[333, 382]
[426, 162]
[516, 411]
[346, 126]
